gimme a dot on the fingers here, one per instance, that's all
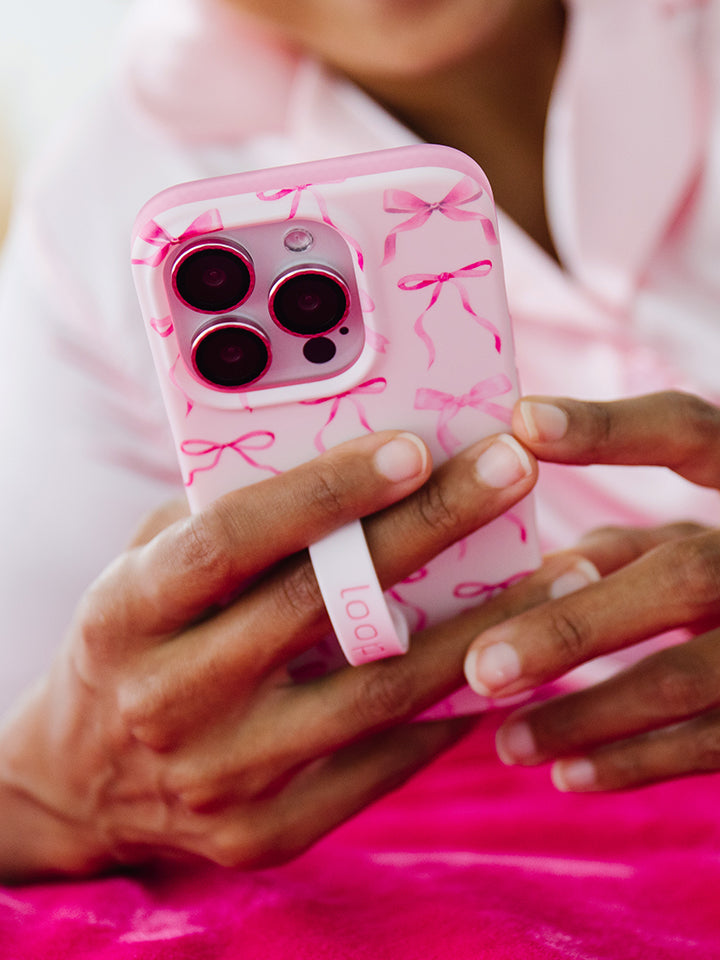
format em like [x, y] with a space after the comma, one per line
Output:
[682, 750]
[656, 720]
[315, 799]
[675, 430]
[192, 690]
[463, 495]
[203, 560]
[340, 708]
[338, 788]
[284, 614]
[676, 584]
[610, 548]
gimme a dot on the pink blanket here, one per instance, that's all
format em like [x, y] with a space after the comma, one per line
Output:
[469, 861]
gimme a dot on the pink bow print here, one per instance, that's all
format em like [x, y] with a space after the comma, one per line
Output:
[511, 518]
[255, 440]
[163, 327]
[172, 374]
[377, 385]
[418, 281]
[449, 406]
[515, 519]
[311, 188]
[156, 236]
[485, 591]
[402, 201]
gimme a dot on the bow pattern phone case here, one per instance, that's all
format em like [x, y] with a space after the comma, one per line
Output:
[293, 308]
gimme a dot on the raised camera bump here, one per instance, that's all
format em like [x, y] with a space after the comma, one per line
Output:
[213, 276]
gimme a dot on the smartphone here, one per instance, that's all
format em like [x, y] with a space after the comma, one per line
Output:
[293, 308]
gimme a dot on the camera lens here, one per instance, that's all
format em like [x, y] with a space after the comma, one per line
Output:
[309, 303]
[231, 354]
[213, 278]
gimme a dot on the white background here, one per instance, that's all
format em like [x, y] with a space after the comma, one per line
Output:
[51, 54]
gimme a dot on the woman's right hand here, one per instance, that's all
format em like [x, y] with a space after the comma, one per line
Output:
[168, 724]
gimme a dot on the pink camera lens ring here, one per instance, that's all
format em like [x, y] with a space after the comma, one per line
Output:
[213, 276]
[231, 354]
[309, 301]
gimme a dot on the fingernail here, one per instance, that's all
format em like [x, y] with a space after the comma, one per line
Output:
[503, 463]
[582, 575]
[402, 458]
[515, 743]
[572, 775]
[492, 669]
[543, 421]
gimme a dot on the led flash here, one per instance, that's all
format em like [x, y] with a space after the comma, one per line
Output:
[298, 240]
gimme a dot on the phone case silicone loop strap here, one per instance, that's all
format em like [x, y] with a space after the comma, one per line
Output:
[367, 625]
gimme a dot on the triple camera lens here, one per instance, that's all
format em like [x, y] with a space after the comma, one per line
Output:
[230, 353]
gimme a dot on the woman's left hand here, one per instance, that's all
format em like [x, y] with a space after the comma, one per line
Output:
[660, 718]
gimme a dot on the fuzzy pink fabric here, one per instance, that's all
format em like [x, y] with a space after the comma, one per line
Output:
[470, 860]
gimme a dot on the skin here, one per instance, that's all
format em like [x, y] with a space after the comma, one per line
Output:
[433, 63]
[187, 737]
[660, 718]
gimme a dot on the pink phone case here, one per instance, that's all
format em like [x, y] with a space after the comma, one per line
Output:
[426, 345]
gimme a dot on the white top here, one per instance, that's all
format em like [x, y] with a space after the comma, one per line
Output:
[633, 161]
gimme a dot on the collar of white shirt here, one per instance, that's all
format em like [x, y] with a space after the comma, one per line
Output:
[625, 135]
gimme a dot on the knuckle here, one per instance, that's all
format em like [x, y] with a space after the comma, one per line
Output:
[572, 635]
[191, 786]
[299, 591]
[682, 529]
[695, 432]
[217, 785]
[680, 690]
[384, 695]
[602, 424]
[693, 567]
[707, 746]
[699, 421]
[101, 618]
[436, 510]
[193, 792]
[94, 623]
[203, 544]
[329, 489]
[142, 715]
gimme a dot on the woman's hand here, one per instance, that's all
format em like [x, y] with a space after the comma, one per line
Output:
[168, 724]
[660, 718]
